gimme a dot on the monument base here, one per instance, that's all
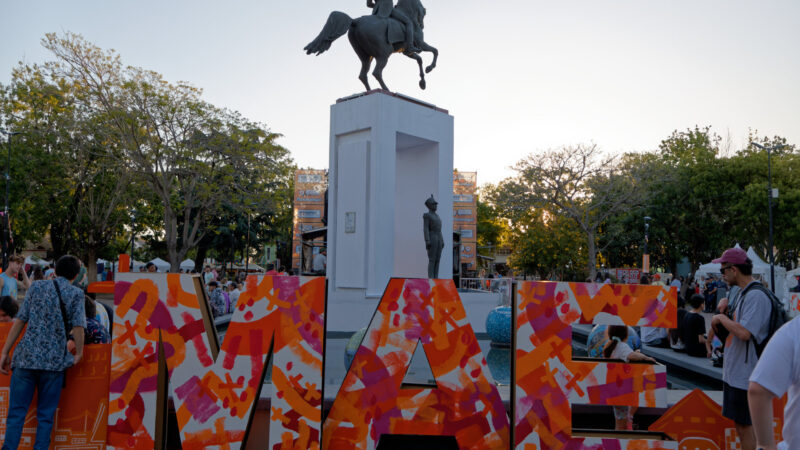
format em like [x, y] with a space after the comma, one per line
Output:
[388, 154]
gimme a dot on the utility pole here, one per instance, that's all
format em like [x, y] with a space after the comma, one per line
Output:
[133, 234]
[646, 256]
[769, 198]
[6, 223]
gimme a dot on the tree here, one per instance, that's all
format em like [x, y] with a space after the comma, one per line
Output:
[66, 165]
[575, 183]
[194, 157]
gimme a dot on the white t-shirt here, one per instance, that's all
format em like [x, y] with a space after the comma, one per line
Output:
[318, 264]
[652, 334]
[622, 351]
[676, 283]
[778, 371]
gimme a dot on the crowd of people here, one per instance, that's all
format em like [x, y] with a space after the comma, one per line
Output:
[760, 359]
[224, 293]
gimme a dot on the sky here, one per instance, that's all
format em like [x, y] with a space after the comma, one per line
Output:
[520, 76]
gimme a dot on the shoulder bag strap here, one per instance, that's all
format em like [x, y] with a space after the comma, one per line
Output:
[63, 313]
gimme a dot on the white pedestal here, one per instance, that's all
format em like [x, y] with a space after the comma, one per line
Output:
[388, 154]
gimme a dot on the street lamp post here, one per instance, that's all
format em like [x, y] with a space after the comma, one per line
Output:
[6, 223]
[133, 234]
[247, 252]
[646, 256]
[769, 197]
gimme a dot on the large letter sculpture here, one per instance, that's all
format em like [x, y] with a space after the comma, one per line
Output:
[214, 396]
[372, 402]
[547, 380]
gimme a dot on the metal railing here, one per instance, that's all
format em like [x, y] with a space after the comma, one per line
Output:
[502, 286]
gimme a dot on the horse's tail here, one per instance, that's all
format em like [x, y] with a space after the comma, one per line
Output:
[337, 25]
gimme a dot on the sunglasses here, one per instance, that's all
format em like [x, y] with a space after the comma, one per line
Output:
[723, 269]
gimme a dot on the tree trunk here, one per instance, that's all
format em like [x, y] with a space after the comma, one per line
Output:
[91, 264]
[592, 253]
[171, 228]
[201, 257]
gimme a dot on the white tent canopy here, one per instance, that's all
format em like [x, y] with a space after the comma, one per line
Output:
[707, 269]
[162, 265]
[760, 271]
[35, 260]
[762, 268]
[187, 265]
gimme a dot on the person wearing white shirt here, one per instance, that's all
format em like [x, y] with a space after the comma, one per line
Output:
[235, 292]
[320, 262]
[777, 371]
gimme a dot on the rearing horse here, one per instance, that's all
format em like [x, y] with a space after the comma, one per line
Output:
[370, 37]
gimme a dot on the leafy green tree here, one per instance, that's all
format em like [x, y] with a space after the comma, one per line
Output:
[66, 164]
[576, 183]
[194, 157]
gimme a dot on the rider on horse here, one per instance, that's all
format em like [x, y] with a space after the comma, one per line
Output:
[385, 9]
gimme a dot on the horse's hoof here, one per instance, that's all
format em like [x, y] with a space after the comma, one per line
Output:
[422, 84]
[428, 69]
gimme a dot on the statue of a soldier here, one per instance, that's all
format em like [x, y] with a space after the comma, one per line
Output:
[434, 241]
[385, 9]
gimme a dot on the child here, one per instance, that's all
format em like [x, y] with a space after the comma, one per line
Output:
[8, 308]
[95, 332]
[617, 348]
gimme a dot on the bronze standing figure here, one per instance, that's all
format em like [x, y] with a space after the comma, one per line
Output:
[386, 31]
[434, 241]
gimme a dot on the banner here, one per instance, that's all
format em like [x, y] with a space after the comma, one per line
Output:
[465, 215]
[309, 208]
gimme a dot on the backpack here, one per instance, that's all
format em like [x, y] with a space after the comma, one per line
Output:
[777, 317]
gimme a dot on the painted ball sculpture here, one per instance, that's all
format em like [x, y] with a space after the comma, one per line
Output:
[352, 346]
[498, 325]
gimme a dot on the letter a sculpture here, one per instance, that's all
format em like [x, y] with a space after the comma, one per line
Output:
[390, 29]
[434, 241]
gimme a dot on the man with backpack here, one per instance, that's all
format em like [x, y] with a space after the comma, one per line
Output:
[749, 330]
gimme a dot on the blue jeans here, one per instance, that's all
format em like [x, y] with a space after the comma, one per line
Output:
[24, 382]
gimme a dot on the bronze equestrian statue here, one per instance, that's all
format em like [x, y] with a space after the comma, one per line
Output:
[386, 31]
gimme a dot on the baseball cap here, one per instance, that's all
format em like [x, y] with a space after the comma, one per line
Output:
[733, 255]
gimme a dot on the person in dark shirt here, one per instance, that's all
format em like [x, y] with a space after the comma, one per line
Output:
[694, 328]
[676, 334]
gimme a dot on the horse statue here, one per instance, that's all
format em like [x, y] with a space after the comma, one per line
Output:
[377, 37]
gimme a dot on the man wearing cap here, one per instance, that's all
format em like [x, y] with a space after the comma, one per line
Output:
[750, 321]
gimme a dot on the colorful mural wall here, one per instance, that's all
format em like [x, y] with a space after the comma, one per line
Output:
[465, 402]
[215, 394]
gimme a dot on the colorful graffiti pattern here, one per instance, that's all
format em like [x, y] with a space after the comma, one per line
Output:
[214, 397]
[548, 381]
[372, 402]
